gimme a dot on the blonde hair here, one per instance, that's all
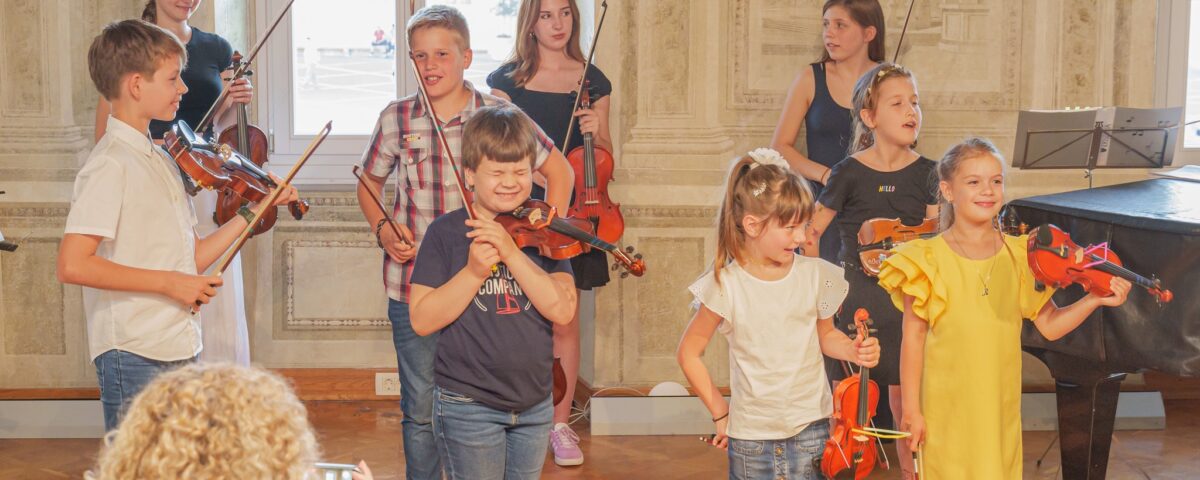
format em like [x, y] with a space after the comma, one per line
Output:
[211, 421]
[440, 16]
[969, 148]
[866, 13]
[770, 192]
[866, 97]
[525, 49]
[502, 133]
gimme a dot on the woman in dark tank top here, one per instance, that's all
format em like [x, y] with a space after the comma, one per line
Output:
[853, 36]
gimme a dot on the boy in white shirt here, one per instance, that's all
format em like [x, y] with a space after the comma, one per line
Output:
[130, 239]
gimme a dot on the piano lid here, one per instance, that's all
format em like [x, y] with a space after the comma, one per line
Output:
[1166, 205]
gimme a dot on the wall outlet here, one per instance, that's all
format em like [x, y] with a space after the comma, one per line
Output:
[387, 383]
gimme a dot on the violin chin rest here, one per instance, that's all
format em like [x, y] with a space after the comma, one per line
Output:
[1045, 236]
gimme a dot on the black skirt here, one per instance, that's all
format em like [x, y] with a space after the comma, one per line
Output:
[887, 322]
[591, 269]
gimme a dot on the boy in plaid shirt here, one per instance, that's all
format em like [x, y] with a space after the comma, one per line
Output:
[404, 141]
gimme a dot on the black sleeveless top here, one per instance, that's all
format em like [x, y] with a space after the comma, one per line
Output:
[827, 124]
[549, 110]
[828, 133]
[208, 56]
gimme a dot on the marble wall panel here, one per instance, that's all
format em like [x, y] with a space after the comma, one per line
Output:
[31, 305]
[333, 285]
[24, 62]
[668, 50]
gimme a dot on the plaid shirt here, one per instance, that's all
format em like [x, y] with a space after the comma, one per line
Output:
[404, 141]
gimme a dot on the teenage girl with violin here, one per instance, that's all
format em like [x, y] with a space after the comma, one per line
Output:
[541, 78]
[225, 333]
[819, 99]
[964, 294]
[775, 309]
[884, 177]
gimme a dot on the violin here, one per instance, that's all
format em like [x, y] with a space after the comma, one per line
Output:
[216, 166]
[249, 141]
[1058, 261]
[878, 236]
[854, 404]
[536, 224]
[593, 167]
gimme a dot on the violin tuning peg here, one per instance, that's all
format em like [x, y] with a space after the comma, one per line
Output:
[629, 249]
[637, 256]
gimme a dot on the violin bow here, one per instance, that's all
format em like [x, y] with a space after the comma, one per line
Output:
[586, 65]
[441, 136]
[225, 259]
[377, 198]
[896, 54]
[241, 70]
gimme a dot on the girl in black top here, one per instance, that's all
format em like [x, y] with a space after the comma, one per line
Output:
[883, 178]
[540, 78]
[225, 333]
[853, 35]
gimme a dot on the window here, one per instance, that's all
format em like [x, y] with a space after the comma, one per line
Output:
[1177, 75]
[344, 60]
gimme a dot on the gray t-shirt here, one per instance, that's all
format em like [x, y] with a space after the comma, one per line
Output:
[500, 349]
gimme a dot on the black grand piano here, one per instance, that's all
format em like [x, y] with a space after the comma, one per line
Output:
[1154, 227]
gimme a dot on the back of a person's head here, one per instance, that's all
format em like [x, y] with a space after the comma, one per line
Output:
[130, 46]
[441, 16]
[500, 133]
[210, 421]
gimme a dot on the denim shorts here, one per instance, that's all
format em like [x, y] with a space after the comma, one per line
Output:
[794, 458]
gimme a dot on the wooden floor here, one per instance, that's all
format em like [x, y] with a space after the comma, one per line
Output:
[349, 431]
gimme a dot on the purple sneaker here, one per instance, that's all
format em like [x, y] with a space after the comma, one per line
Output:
[565, 444]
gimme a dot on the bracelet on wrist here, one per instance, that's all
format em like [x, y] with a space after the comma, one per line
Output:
[722, 417]
[378, 228]
[246, 213]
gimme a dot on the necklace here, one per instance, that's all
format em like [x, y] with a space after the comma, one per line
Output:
[982, 279]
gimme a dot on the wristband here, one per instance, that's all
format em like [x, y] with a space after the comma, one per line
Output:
[722, 417]
[825, 177]
[247, 214]
[378, 227]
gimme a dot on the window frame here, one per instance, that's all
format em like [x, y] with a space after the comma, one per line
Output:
[1171, 68]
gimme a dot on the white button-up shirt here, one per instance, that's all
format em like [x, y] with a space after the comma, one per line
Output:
[129, 193]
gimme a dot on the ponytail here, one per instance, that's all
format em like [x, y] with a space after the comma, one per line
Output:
[150, 12]
[730, 237]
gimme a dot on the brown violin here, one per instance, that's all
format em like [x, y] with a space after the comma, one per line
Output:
[536, 224]
[215, 166]
[249, 141]
[878, 236]
[1058, 261]
[854, 404]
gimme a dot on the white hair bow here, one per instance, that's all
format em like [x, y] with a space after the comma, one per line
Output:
[768, 156]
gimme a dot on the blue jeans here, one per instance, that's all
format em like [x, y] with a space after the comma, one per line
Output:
[121, 376]
[414, 354]
[478, 442]
[792, 458]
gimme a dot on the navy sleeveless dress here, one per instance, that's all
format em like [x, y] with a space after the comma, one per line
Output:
[827, 133]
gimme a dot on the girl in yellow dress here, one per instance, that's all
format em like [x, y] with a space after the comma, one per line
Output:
[964, 294]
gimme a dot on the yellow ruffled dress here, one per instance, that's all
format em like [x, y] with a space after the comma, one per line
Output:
[971, 385]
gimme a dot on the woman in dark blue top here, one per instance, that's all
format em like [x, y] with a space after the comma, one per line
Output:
[853, 35]
[540, 78]
[225, 333]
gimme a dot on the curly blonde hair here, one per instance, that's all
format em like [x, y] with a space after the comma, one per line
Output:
[213, 421]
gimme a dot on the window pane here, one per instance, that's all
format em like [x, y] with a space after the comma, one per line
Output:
[344, 66]
[493, 24]
[1191, 134]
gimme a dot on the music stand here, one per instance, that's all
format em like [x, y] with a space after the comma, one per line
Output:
[6, 246]
[1111, 137]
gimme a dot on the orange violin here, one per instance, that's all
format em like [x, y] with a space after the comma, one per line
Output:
[854, 404]
[878, 236]
[1057, 261]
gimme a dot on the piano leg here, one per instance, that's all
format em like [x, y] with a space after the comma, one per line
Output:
[1087, 408]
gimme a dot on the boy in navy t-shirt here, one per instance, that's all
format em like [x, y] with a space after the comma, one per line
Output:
[494, 304]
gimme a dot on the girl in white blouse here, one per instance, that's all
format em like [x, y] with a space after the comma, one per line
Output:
[775, 309]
